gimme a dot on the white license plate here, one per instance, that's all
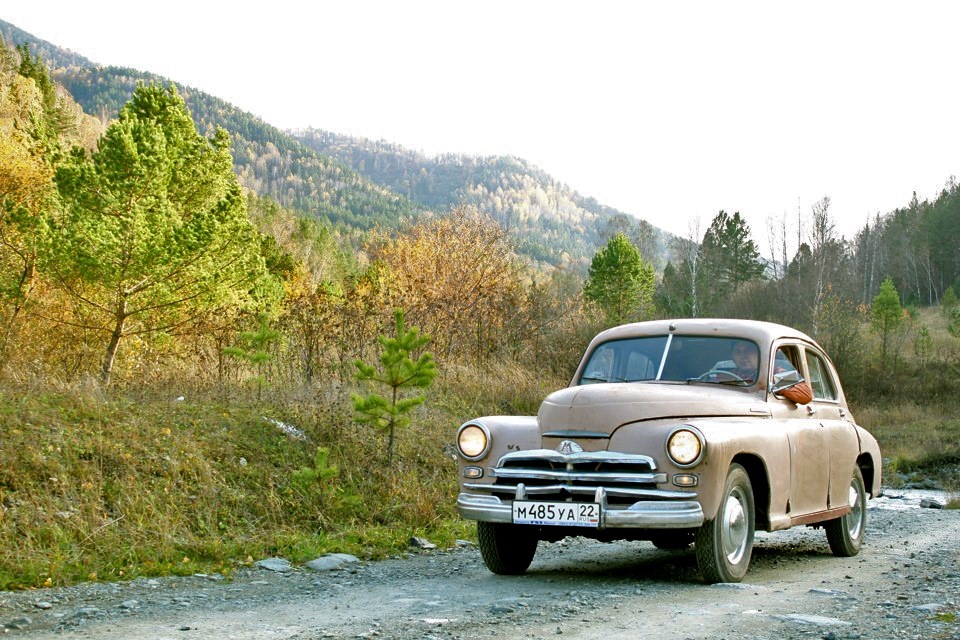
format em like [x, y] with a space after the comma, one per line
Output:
[570, 514]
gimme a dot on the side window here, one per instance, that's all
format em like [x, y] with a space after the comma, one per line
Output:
[786, 360]
[820, 380]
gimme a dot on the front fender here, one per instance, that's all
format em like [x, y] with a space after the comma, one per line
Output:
[508, 434]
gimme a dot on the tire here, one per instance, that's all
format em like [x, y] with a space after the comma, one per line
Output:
[507, 549]
[672, 540]
[724, 545]
[845, 534]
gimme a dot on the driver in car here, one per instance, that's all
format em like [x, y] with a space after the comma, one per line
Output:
[747, 359]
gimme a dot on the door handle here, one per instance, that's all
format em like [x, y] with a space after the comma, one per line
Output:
[810, 410]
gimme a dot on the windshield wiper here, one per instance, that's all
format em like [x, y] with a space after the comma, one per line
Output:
[592, 379]
[729, 383]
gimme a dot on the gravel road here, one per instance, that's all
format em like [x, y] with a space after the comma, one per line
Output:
[904, 584]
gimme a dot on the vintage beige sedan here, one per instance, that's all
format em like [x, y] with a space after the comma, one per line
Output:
[677, 431]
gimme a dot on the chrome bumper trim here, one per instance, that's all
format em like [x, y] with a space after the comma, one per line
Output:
[616, 492]
[644, 514]
[575, 476]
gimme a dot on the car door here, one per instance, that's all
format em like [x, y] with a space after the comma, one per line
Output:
[840, 436]
[808, 443]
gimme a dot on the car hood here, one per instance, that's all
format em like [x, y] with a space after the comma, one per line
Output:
[603, 408]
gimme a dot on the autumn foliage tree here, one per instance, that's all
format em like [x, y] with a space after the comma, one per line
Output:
[154, 228]
[457, 277]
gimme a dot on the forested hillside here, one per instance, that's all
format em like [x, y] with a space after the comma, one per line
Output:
[355, 185]
[266, 160]
[553, 223]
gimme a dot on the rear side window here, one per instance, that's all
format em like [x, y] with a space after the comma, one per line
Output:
[820, 380]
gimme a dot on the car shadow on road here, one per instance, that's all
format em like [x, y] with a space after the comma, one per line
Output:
[595, 563]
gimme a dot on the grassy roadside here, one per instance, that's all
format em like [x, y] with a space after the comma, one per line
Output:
[108, 486]
[917, 441]
[98, 486]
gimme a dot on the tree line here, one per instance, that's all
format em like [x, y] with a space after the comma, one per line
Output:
[132, 254]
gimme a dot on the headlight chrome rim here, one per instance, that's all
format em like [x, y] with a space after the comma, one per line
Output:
[484, 431]
[700, 440]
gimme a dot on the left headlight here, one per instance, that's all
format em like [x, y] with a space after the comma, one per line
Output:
[473, 441]
[685, 446]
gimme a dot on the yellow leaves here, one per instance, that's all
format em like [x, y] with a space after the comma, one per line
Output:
[24, 178]
[186, 560]
[453, 275]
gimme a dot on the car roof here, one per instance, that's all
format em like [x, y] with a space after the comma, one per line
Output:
[762, 332]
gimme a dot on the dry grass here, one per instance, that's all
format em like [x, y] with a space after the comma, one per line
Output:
[96, 486]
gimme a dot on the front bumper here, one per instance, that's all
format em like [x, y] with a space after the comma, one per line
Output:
[643, 514]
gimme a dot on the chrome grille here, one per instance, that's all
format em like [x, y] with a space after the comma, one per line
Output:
[544, 474]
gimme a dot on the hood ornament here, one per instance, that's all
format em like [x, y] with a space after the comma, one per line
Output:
[568, 447]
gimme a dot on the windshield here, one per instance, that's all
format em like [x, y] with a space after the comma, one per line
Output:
[674, 358]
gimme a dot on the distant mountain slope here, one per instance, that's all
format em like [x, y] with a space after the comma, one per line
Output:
[554, 223]
[266, 160]
[13, 35]
[356, 184]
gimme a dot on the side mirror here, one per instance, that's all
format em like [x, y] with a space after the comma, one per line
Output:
[785, 380]
[790, 385]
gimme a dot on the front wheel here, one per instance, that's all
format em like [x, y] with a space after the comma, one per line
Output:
[507, 549]
[845, 534]
[724, 545]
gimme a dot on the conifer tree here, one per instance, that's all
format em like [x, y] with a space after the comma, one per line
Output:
[886, 315]
[154, 228]
[253, 347]
[620, 281]
[949, 302]
[730, 255]
[398, 372]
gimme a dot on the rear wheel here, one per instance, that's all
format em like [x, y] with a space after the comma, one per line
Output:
[507, 549]
[845, 534]
[724, 545]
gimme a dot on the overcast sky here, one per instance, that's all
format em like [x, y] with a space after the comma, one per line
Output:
[669, 111]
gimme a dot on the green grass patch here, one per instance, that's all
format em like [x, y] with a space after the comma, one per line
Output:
[101, 487]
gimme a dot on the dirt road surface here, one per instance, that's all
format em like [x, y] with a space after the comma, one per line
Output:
[904, 584]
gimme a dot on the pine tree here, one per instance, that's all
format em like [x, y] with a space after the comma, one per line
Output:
[154, 228]
[948, 303]
[398, 372]
[730, 256]
[254, 348]
[886, 315]
[620, 281]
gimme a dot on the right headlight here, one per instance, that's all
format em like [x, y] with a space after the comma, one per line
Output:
[473, 441]
[685, 446]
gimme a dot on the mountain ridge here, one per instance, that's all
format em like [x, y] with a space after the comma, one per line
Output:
[356, 184]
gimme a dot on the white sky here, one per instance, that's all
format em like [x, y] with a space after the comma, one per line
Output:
[669, 111]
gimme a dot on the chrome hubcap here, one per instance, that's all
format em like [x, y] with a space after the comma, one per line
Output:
[734, 527]
[855, 517]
